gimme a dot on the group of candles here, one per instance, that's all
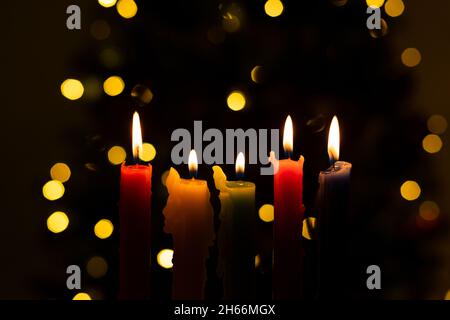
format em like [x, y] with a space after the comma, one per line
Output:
[189, 219]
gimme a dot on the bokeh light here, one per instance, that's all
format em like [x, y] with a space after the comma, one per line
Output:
[236, 100]
[164, 258]
[273, 8]
[255, 74]
[60, 171]
[127, 8]
[148, 152]
[82, 296]
[257, 261]
[107, 3]
[374, 3]
[437, 124]
[100, 29]
[410, 190]
[394, 8]
[92, 88]
[266, 213]
[113, 86]
[447, 295]
[57, 222]
[53, 190]
[111, 58]
[429, 210]
[309, 225]
[103, 229]
[411, 57]
[230, 22]
[72, 89]
[142, 94]
[432, 143]
[97, 267]
[378, 33]
[117, 155]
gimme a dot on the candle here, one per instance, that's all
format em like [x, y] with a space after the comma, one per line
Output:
[135, 211]
[189, 218]
[333, 207]
[236, 233]
[288, 215]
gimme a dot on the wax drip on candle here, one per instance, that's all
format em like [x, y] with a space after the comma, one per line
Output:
[136, 137]
[333, 142]
[288, 138]
[240, 166]
[193, 164]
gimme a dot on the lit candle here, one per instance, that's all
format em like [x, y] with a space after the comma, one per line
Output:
[135, 212]
[333, 207]
[189, 218]
[236, 233]
[288, 216]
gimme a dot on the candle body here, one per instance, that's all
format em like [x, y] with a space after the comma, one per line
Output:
[333, 210]
[189, 218]
[287, 240]
[134, 248]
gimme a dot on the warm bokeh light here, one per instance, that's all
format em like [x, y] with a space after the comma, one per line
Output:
[394, 8]
[148, 152]
[57, 222]
[288, 136]
[97, 267]
[257, 261]
[410, 190]
[429, 210]
[164, 258]
[411, 57]
[92, 88]
[230, 22]
[437, 124]
[107, 3]
[117, 155]
[136, 136]
[377, 33]
[164, 177]
[113, 86]
[60, 171]
[255, 74]
[127, 8]
[111, 58]
[334, 140]
[374, 3]
[432, 143]
[273, 8]
[266, 213]
[82, 296]
[193, 162]
[53, 190]
[240, 163]
[447, 295]
[236, 100]
[103, 229]
[309, 224]
[72, 89]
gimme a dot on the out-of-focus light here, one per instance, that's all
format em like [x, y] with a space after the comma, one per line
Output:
[273, 8]
[142, 94]
[411, 57]
[92, 88]
[60, 171]
[117, 155]
[97, 267]
[447, 295]
[309, 224]
[257, 261]
[148, 152]
[57, 222]
[394, 8]
[410, 190]
[432, 143]
[103, 229]
[266, 213]
[437, 124]
[110, 58]
[82, 296]
[374, 3]
[164, 258]
[230, 22]
[339, 3]
[53, 190]
[256, 74]
[113, 86]
[100, 29]
[107, 3]
[236, 100]
[164, 177]
[127, 8]
[72, 89]
[377, 33]
[429, 210]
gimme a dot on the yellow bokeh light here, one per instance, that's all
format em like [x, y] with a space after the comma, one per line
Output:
[394, 8]
[447, 295]
[266, 213]
[429, 210]
[103, 229]
[97, 267]
[113, 86]
[432, 143]
[257, 261]
[411, 57]
[107, 3]
[374, 3]
[148, 152]
[53, 190]
[82, 296]
[230, 22]
[273, 8]
[255, 74]
[309, 224]
[236, 100]
[164, 258]
[57, 222]
[437, 124]
[410, 190]
[127, 8]
[60, 172]
[164, 177]
[72, 89]
[117, 155]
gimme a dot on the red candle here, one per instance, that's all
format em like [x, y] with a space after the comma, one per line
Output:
[288, 216]
[135, 212]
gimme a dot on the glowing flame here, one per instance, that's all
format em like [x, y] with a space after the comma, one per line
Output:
[334, 140]
[193, 163]
[288, 136]
[240, 164]
[136, 136]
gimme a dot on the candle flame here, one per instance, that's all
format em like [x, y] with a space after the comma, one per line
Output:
[240, 164]
[193, 163]
[136, 136]
[334, 140]
[288, 134]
